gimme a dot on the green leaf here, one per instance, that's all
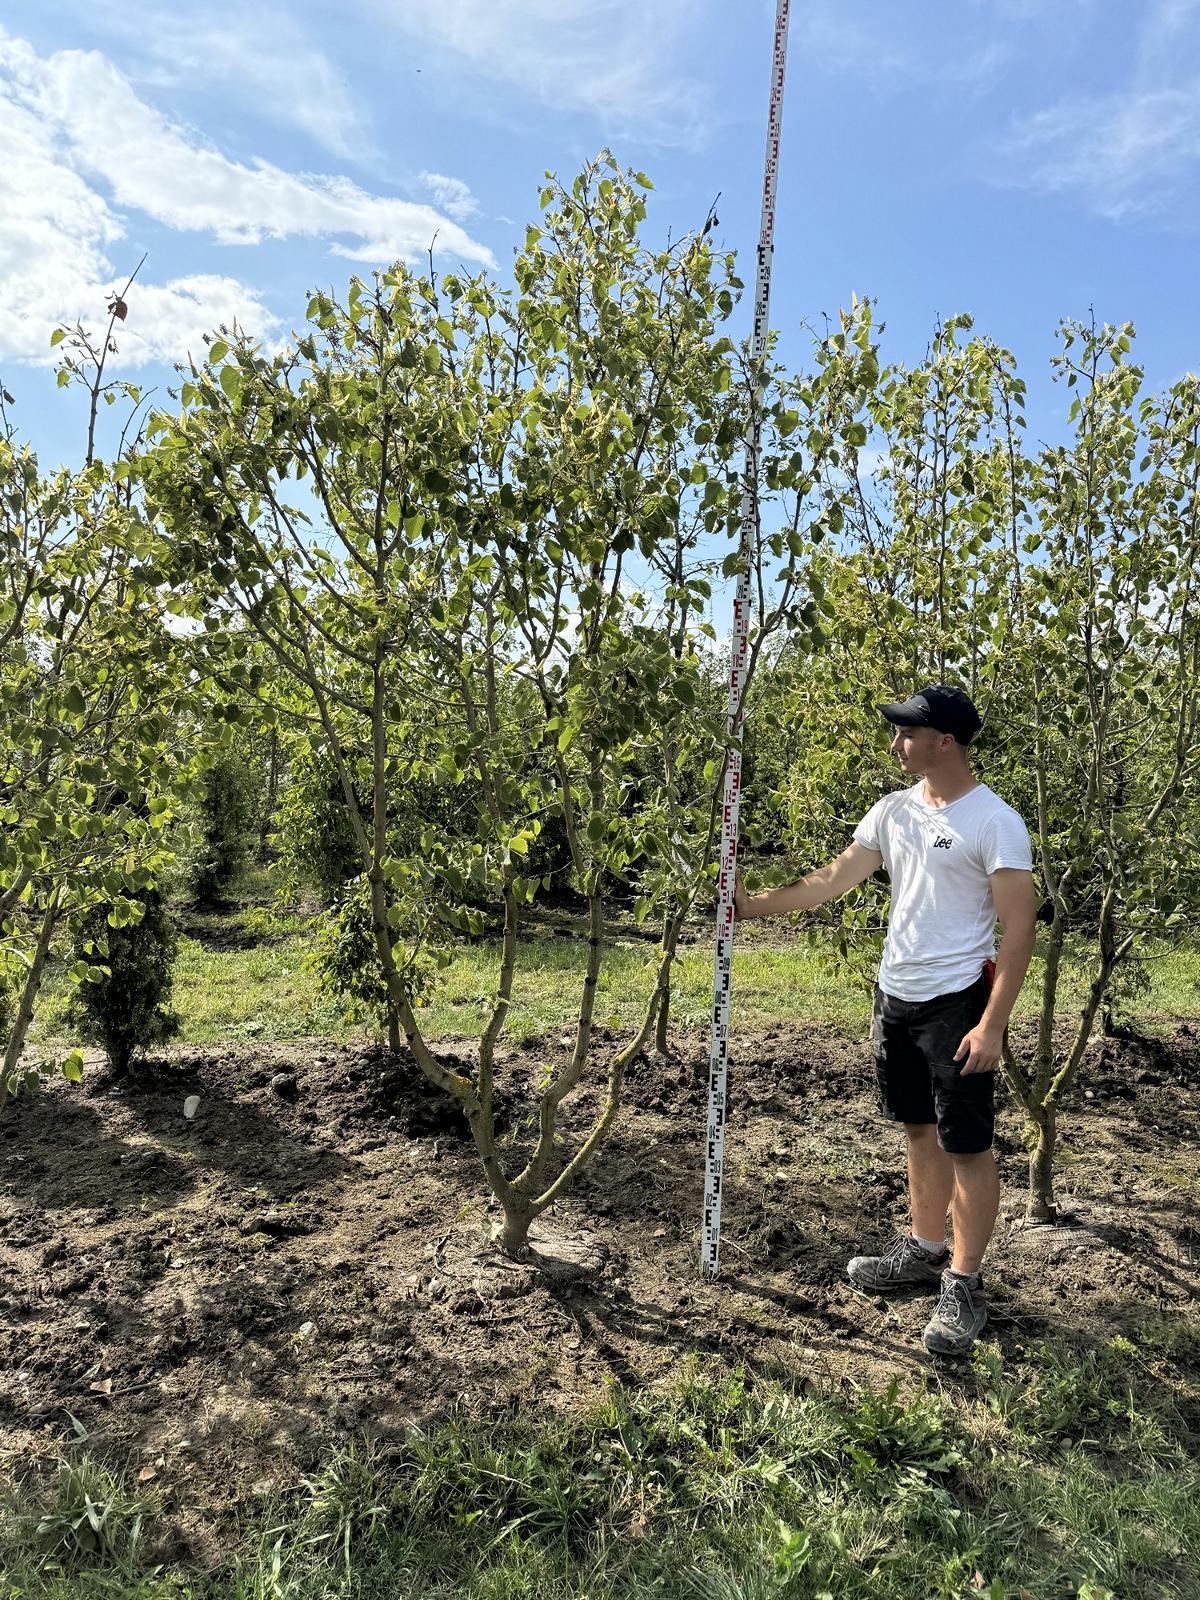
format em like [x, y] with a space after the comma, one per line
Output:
[217, 351]
[74, 701]
[72, 1067]
[57, 337]
[231, 379]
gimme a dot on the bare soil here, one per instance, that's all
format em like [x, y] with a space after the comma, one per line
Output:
[218, 1301]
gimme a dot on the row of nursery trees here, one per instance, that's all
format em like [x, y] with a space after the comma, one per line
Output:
[450, 561]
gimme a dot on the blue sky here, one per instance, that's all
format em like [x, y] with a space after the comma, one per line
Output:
[1020, 159]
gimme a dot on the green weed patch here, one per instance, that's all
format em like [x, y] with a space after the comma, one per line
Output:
[722, 1487]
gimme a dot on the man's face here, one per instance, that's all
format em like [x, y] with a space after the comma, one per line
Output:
[917, 749]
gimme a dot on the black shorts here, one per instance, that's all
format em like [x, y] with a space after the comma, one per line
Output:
[919, 1080]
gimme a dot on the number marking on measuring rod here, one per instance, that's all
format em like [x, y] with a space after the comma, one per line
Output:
[718, 1058]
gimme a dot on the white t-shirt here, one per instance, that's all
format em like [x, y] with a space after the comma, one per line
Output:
[942, 926]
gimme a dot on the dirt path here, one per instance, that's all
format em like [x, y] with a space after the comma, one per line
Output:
[218, 1300]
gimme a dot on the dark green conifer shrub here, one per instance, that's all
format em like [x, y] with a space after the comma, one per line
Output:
[226, 834]
[128, 1011]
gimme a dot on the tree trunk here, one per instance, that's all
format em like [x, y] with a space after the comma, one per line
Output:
[268, 815]
[514, 1235]
[395, 1041]
[29, 994]
[1041, 1205]
[662, 1042]
[672, 928]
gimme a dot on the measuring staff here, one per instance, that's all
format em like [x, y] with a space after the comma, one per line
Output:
[718, 1058]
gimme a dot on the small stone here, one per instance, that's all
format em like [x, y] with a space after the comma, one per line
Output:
[53, 1252]
[191, 1105]
[284, 1085]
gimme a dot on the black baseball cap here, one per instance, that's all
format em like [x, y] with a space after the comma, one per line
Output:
[936, 706]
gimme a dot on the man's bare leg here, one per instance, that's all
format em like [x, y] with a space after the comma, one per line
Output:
[930, 1186]
[973, 1207]
[930, 1181]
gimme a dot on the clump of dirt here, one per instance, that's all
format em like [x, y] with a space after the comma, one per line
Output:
[220, 1299]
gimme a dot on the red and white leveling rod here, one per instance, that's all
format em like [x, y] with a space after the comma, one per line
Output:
[718, 1061]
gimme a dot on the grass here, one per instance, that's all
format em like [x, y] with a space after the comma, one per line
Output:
[717, 1487]
[239, 990]
[770, 985]
[245, 974]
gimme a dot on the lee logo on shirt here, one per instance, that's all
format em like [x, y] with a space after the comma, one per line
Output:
[942, 843]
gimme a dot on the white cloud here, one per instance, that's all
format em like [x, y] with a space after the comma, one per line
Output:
[609, 58]
[452, 194]
[959, 50]
[1032, 10]
[1133, 152]
[894, 53]
[1126, 155]
[72, 116]
[1165, 34]
[258, 56]
[838, 42]
[55, 234]
[179, 180]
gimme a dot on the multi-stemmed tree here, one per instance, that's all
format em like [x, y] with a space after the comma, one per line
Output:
[1061, 590]
[89, 762]
[1102, 699]
[915, 588]
[444, 510]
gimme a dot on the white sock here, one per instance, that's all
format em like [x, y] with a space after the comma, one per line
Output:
[933, 1246]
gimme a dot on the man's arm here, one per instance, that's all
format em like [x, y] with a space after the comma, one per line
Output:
[854, 864]
[1016, 908]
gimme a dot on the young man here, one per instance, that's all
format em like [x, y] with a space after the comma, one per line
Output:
[959, 859]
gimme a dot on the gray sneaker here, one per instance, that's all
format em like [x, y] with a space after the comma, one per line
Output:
[960, 1318]
[903, 1265]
